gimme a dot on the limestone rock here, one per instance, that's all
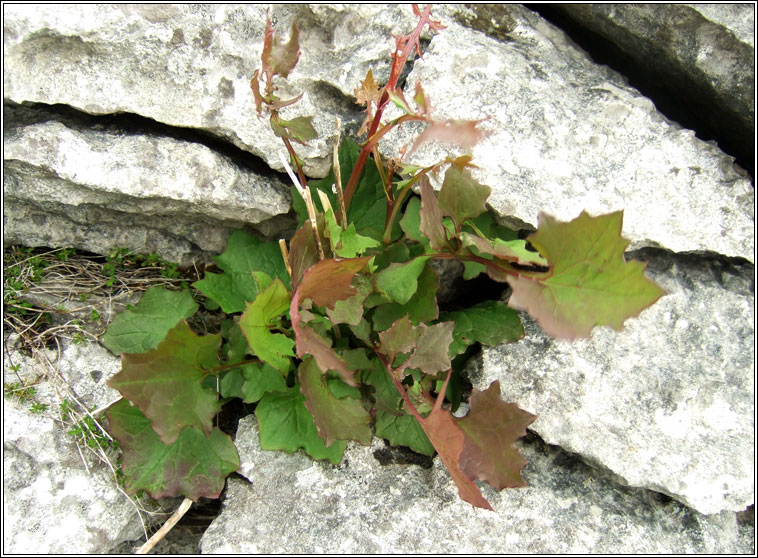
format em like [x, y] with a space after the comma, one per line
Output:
[190, 65]
[51, 504]
[703, 53]
[362, 507]
[569, 135]
[668, 403]
[99, 190]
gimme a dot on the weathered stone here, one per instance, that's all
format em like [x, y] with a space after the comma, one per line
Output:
[98, 190]
[51, 503]
[190, 65]
[569, 135]
[668, 403]
[703, 54]
[362, 507]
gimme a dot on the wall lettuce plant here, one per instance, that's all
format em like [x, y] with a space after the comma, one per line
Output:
[337, 335]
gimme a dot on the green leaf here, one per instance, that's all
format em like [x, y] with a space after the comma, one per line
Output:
[403, 430]
[422, 306]
[165, 383]
[259, 317]
[286, 424]
[335, 419]
[510, 250]
[299, 129]
[472, 269]
[141, 329]
[411, 221]
[195, 465]
[244, 255]
[491, 428]
[346, 243]
[400, 281]
[589, 283]
[491, 322]
[350, 310]
[257, 380]
[462, 197]
[237, 346]
[368, 207]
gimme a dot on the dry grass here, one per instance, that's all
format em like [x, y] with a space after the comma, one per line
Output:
[56, 296]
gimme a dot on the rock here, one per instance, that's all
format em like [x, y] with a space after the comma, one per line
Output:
[361, 506]
[51, 503]
[569, 135]
[190, 66]
[703, 55]
[150, 194]
[668, 403]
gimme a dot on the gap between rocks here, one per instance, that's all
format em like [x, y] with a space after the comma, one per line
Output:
[19, 115]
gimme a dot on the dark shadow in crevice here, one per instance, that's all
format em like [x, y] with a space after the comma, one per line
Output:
[26, 114]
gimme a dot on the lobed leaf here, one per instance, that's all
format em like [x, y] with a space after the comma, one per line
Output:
[448, 439]
[511, 250]
[400, 338]
[257, 320]
[350, 310]
[403, 430]
[462, 133]
[431, 354]
[399, 281]
[421, 307]
[277, 57]
[244, 255]
[491, 428]
[165, 383]
[286, 424]
[251, 381]
[330, 280]
[141, 329]
[589, 283]
[195, 465]
[335, 419]
[461, 197]
[299, 129]
[490, 323]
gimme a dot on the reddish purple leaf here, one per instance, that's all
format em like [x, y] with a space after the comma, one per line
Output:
[491, 428]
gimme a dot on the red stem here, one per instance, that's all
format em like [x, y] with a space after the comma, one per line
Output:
[398, 63]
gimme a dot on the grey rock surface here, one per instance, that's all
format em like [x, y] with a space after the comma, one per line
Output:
[190, 65]
[51, 503]
[668, 403]
[292, 504]
[704, 52]
[151, 194]
[569, 135]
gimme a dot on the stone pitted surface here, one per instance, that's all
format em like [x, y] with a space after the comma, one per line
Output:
[151, 194]
[295, 505]
[51, 504]
[668, 403]
[569, 135]
[706, 52]
[190, 65]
